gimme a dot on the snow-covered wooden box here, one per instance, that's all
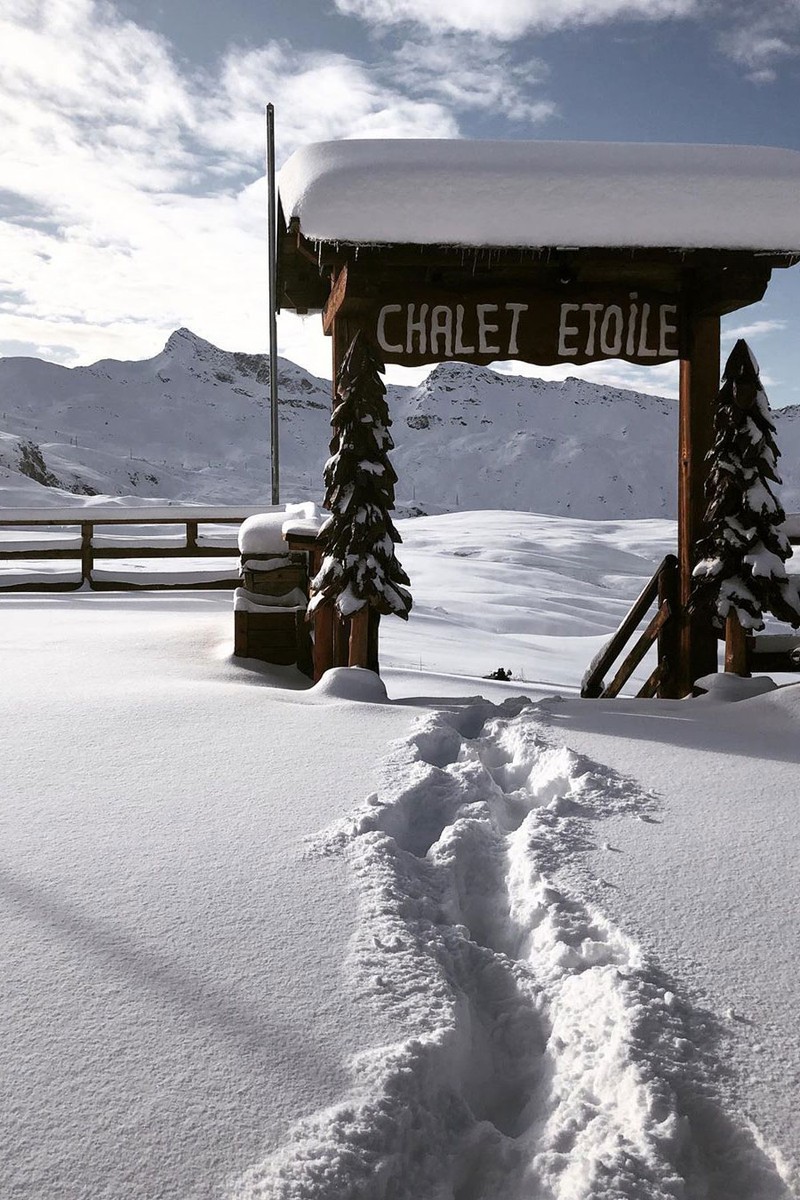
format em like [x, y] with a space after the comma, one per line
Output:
[270, 608]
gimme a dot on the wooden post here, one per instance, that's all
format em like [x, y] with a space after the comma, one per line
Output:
[87, 553]
[324, 617]
[699, 386]
[191, 535]
[341, 640]
[669, 635]
[359, 638]
[736, 647]
[373, 661]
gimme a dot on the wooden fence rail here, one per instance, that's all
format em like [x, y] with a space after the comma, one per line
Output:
[662, 587]
[86, 544]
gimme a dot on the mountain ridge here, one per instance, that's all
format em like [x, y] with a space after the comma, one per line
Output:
[190, 424]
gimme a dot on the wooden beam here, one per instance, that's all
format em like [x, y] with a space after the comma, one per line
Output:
[699, 386]
[324, 617]
[736, 647]
[359, 639]
[335, 300]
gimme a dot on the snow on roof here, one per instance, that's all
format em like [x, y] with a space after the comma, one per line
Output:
[485, 193]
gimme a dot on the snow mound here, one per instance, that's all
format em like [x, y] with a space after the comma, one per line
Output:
[727, 688]
[350, 683]
[264, 532]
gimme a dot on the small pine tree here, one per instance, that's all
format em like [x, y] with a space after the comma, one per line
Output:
[743, 555]
[359, 566]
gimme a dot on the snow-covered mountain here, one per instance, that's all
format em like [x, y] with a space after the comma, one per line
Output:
[192, 425]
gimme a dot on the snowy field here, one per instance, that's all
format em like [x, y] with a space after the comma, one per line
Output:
[435, 938]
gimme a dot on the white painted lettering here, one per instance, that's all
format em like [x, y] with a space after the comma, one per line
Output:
[459, 347]
[608, 345]
[644, 350]
[419, 327]
[515, 310]
[630, 344]
[381, 332]
[666, 328]
[484, 328]
[442, 327]
[592, 310]
[565, 331]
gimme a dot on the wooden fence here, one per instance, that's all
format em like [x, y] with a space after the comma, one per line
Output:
[85, 535]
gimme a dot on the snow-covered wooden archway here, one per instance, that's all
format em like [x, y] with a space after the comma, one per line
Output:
[548, 252]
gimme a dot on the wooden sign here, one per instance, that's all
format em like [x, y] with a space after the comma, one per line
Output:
[543, 328]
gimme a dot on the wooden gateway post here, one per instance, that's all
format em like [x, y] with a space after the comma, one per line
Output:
[551, 253]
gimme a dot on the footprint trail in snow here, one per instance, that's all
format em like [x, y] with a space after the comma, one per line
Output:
[540, 1055]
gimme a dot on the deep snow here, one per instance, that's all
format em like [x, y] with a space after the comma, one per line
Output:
[565, 194]
[264, 941]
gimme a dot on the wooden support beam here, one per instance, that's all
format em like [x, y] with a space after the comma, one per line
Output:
[699, 386]
[335, 300]
[666, 674]
[359, 639]
[324, 618]
[736, 647]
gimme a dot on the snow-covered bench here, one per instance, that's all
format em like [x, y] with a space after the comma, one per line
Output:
[270, 606]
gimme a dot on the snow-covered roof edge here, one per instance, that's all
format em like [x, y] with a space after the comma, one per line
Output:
[592, 194]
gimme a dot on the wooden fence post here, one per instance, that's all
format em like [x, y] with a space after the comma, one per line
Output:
[87, 554]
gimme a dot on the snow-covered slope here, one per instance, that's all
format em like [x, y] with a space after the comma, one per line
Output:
[191, 424]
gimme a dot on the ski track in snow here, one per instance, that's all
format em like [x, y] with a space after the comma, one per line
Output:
[541, 1056]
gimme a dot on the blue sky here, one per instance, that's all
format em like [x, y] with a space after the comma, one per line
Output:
[131, 168]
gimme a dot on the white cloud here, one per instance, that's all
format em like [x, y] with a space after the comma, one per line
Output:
[131, 202]
[761, 37]
[468, 72]
[508, 19]
[755, 329]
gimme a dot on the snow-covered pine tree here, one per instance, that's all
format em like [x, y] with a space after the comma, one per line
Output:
[742, 570]
[359, 567]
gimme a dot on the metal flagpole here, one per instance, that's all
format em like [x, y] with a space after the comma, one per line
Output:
[272, 250]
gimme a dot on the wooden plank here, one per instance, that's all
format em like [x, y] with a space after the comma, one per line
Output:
[631, 662]
[775, 662]
[156, 514]
[654, 683]
[699, 386]
[565, 323]
[240, 632]
[592, 685]
[335, 300]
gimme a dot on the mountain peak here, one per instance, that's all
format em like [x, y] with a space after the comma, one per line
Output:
[182, 343]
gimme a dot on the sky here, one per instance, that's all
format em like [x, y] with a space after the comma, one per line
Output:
[132, 188]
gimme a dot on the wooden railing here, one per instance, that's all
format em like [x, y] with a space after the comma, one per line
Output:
[662, 588]
[86, 544]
